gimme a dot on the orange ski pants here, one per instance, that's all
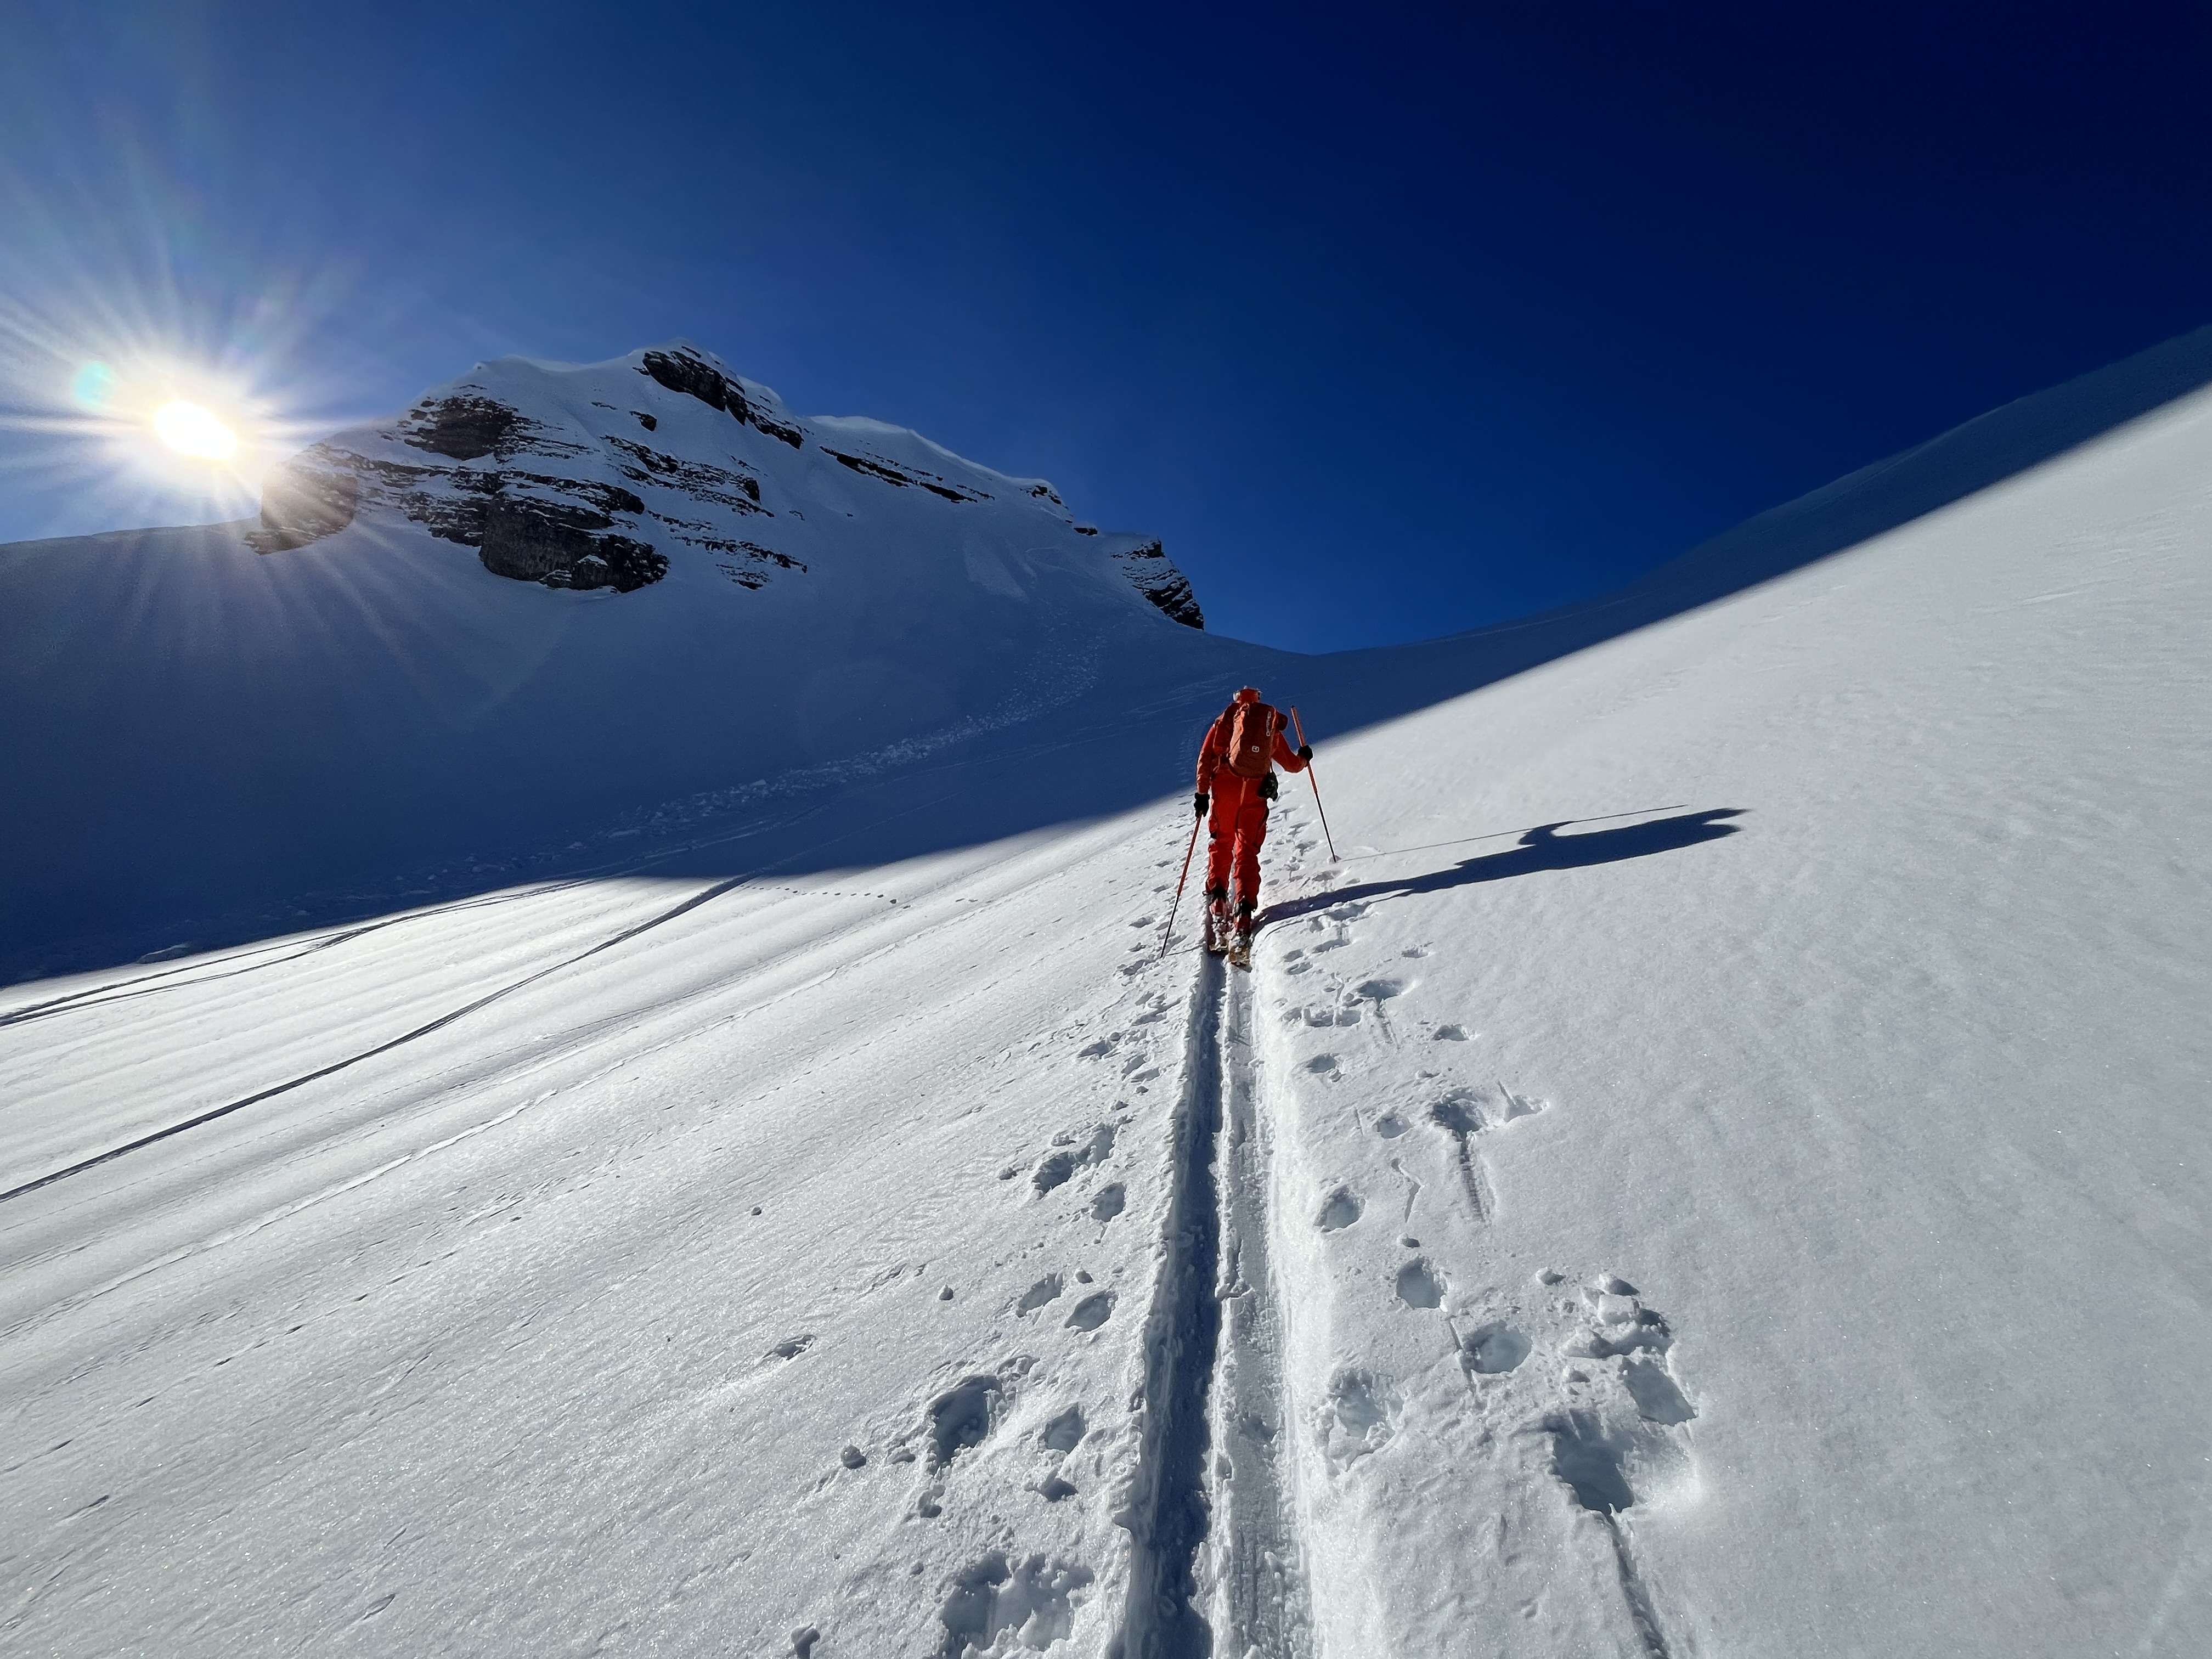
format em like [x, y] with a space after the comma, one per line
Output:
[1236, 826]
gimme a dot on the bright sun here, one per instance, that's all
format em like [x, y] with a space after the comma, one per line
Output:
[191, 430]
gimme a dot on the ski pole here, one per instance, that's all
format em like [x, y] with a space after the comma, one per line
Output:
[1168, 933]
[1298, 727]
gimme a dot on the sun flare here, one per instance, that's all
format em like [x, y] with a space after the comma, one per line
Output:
[191, 430]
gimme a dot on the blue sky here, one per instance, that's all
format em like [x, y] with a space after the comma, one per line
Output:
[1391, 322]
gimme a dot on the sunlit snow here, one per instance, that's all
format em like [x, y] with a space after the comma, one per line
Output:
[1716, 1168]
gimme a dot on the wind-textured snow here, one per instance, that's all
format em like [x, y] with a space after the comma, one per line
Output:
[1717, 1165]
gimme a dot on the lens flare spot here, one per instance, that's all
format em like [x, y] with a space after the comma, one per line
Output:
[93, 385]
[191, 430]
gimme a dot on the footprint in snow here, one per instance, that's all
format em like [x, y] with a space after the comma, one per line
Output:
[1589, 1461]
[1045, 1289]
[1419, 1284]
[1492, 1350]
[1002, 1602]
[1091, 1312]
[959, 1418]
[1391, 1125]
[1657, 1398]
[1457, 1114]
[1065, 1433]
[1357, 1417]
[1058, 1166]
[1607, 1442]
[1610, 1425]
[1109, 1202]
[1619, 1324]
[1338, 1210]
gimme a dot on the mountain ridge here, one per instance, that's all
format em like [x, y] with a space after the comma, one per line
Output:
[592, 476]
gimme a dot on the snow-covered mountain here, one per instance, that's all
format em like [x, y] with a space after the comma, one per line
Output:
[1713, 1162]
[546, 600]
[607, 475]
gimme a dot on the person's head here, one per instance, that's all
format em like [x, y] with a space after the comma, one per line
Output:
[1249, 693]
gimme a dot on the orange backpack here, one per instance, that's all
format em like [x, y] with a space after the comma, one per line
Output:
[1251, 749]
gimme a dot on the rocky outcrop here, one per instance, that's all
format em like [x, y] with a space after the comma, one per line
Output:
[739, 491]
[1150, 573]
[579, 476]
[683, 370]
[874, 468]
[538, 541]
[469, 428]
[302, 500]
[534, 526]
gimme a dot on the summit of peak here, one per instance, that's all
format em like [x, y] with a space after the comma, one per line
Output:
[620, 473]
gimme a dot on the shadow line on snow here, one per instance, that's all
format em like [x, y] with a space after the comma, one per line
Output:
[100, 886]
[1539, 849]
[168, 1130]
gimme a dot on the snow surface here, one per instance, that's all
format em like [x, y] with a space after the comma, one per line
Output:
[215, 741]
[1716, 1167]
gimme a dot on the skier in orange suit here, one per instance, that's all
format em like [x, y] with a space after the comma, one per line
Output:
[1236, 778]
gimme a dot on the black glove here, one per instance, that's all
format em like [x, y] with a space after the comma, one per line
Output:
[1201, 803]
[1268, 787]
[1305, 752]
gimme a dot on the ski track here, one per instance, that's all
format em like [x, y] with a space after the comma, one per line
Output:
[237, 963]
[1216, 1562]
[536, 1060]
[1169, 1508]
[108, 994]
[1261, 1606]
[443, 1020]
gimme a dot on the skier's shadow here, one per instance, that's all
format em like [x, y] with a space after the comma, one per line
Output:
[1541, 848]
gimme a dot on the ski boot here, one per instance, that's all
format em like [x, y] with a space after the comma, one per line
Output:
[1240, 939]
[1217, 920]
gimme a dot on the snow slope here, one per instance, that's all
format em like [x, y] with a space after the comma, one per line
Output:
[222, 729]
[1716, 1167]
